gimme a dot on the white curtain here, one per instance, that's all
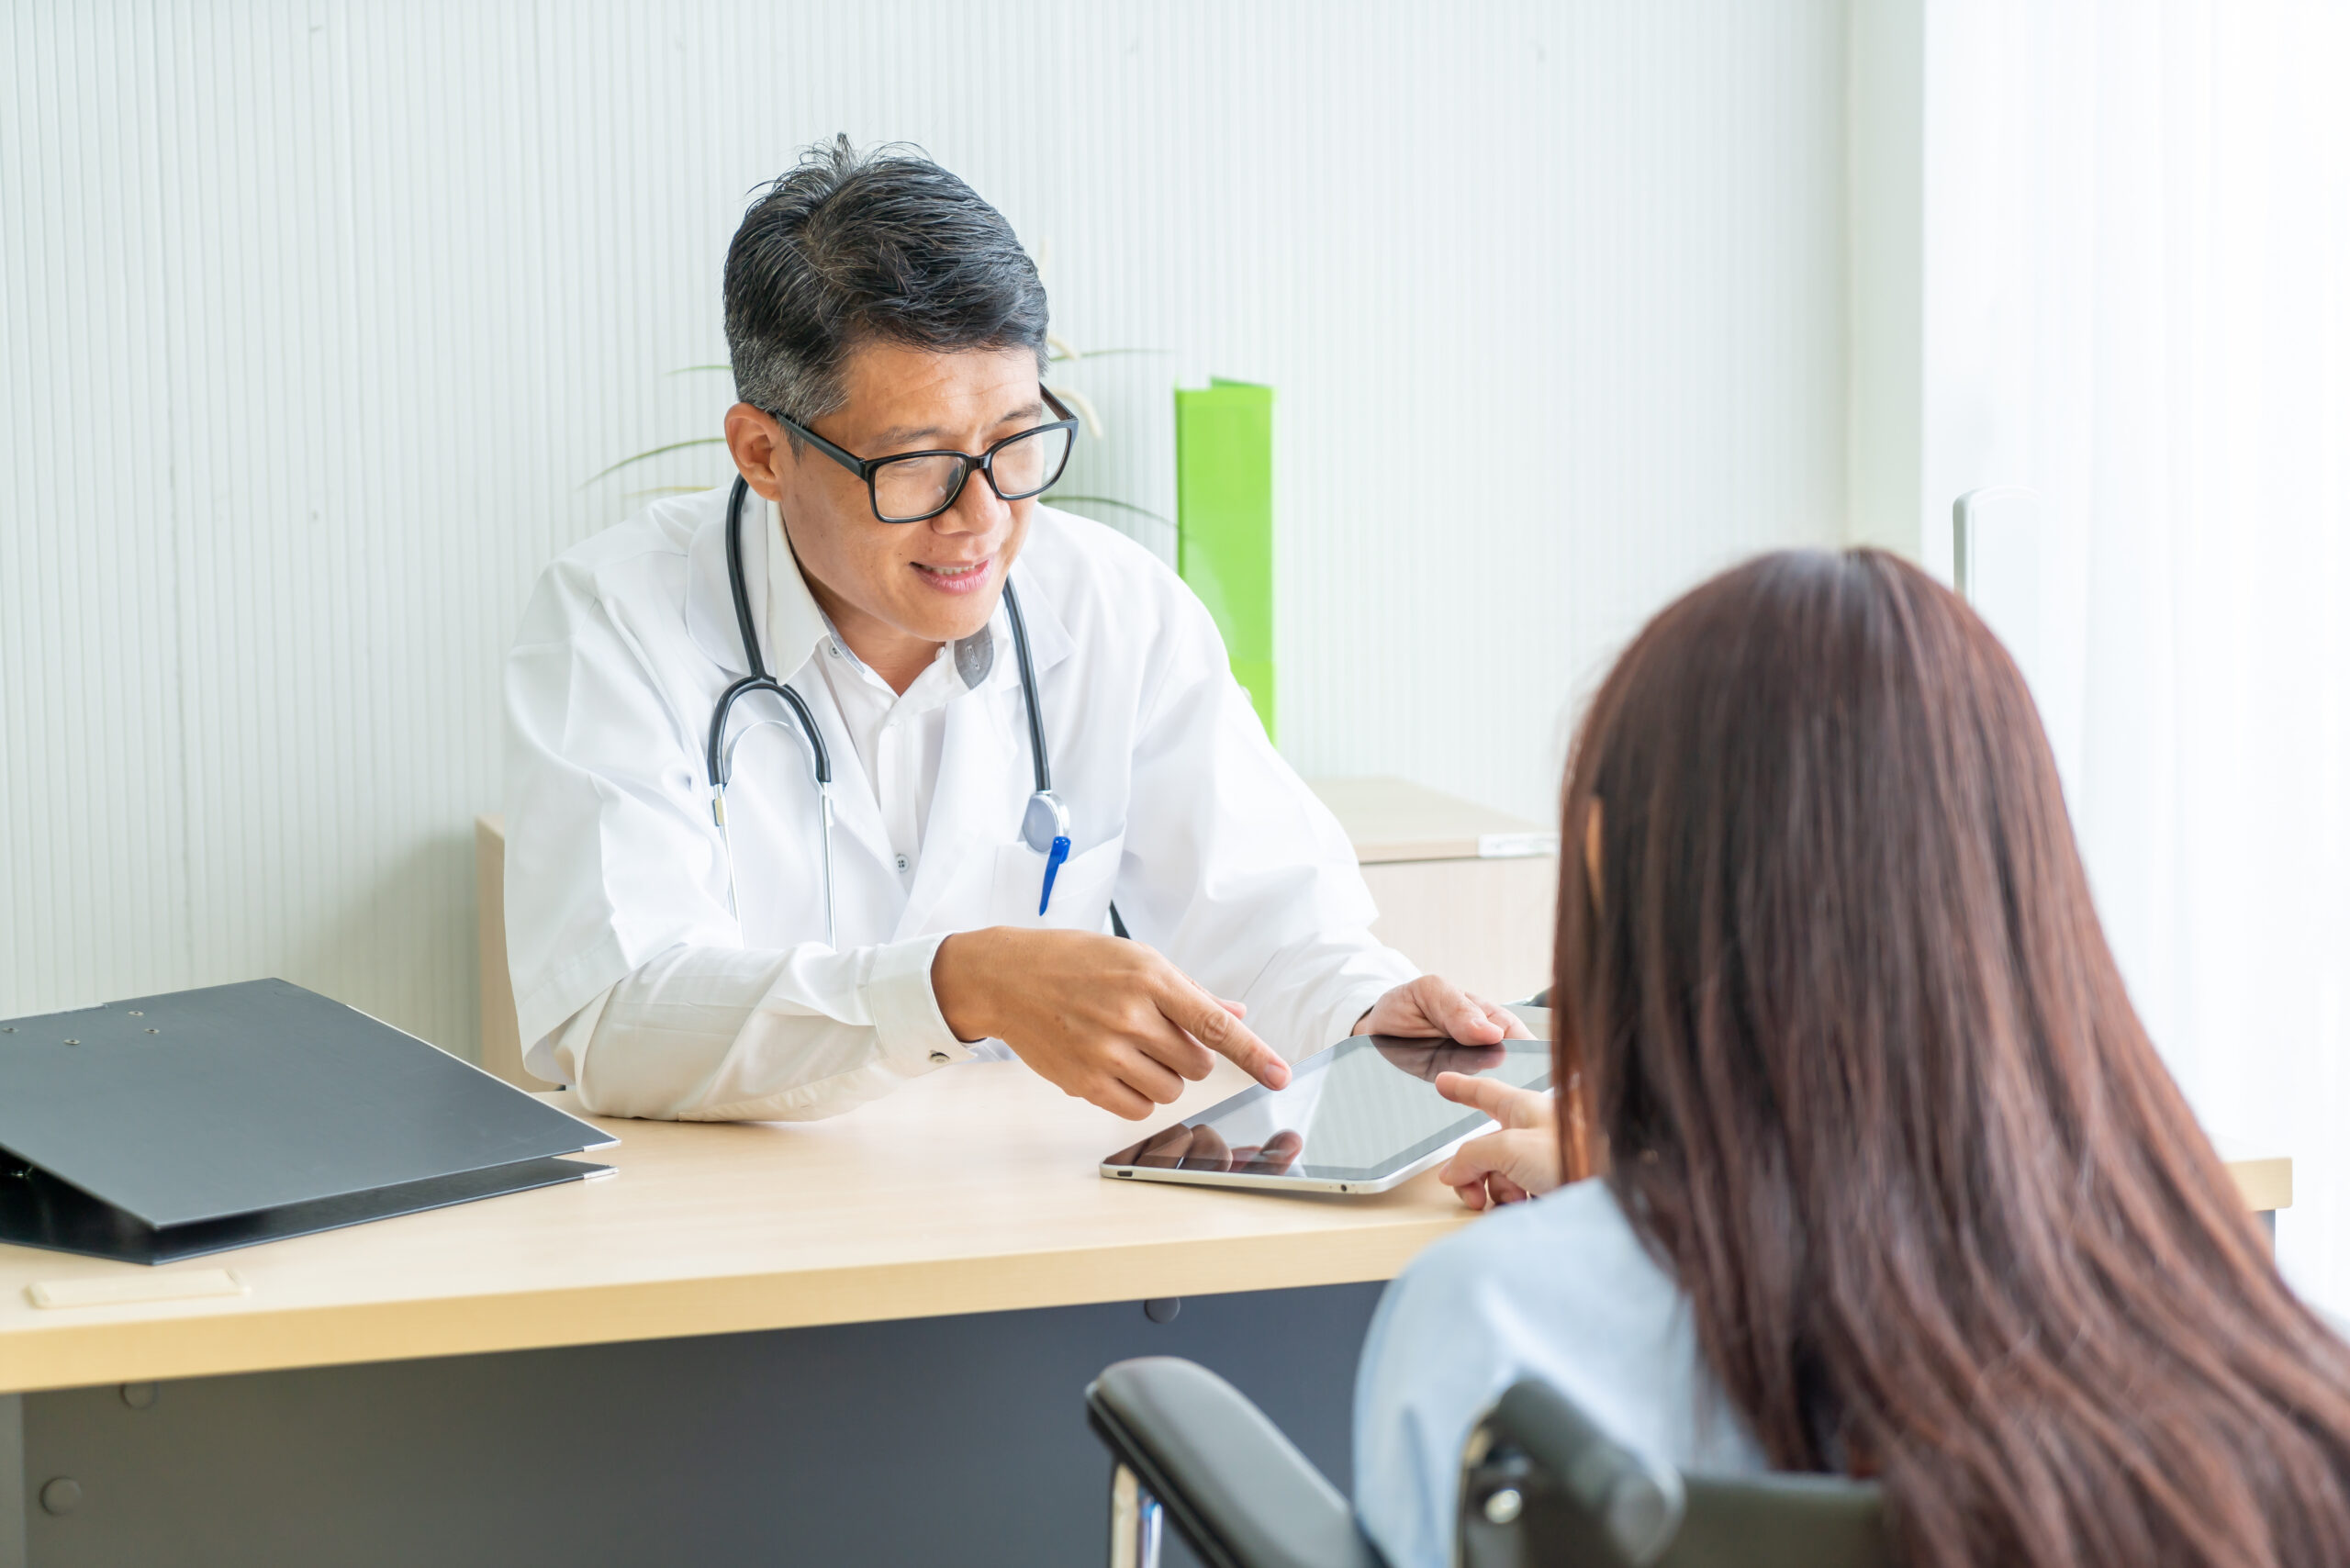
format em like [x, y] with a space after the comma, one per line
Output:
[2137, 304]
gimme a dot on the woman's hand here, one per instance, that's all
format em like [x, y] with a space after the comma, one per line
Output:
[1520, 1161]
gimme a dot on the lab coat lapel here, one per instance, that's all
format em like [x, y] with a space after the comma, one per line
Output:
[710, 602]
[1048, 640]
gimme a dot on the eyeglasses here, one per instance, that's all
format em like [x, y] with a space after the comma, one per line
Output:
[911, 486]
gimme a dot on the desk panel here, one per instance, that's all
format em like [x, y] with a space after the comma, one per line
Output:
[953, 1441]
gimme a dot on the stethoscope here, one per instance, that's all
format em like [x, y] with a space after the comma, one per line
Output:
[1043, 827]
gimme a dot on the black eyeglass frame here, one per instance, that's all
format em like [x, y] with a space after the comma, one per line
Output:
[866, 468]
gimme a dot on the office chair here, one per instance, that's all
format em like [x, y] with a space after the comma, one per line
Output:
[1543, 1487]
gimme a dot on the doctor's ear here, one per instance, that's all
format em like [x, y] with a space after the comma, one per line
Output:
[758, 447]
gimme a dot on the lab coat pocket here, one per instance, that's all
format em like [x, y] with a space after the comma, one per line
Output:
[1082, 890]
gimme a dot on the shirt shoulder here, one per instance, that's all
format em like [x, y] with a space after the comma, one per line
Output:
[644, 554]
[1569, 1262]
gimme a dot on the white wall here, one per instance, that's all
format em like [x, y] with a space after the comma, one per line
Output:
[317, 315]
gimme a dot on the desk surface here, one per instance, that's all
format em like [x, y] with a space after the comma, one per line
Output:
[971, 1189]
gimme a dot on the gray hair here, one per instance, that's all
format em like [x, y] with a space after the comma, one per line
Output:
[851, 247]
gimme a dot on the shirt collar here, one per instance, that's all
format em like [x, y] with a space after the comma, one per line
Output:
[797, 626]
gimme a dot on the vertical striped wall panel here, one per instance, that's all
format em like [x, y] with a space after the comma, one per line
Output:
[317, 315]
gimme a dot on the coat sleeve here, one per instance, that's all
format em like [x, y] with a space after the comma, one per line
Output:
[1234, 869]
[616, 907]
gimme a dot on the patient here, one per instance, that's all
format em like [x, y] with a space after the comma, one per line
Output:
[1883, 1175]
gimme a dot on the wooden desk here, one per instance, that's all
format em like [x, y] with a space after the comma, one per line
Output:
[971, 1189]
[862, 1339]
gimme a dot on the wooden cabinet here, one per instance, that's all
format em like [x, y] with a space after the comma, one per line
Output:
[1464, 891]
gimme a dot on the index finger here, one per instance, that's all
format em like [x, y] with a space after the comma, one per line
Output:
[1188, 1007]
[1507, 1105]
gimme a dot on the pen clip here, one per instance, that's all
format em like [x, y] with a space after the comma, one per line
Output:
[1052, 870]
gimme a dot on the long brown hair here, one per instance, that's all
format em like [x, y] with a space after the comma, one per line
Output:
[1862, 1073]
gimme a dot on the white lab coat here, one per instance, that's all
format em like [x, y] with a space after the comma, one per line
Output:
[1213, 849]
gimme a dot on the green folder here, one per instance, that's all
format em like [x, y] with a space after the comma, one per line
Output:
[1224, 510]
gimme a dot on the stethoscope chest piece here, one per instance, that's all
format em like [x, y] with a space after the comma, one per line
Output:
[1044, 829]
[1047, 820]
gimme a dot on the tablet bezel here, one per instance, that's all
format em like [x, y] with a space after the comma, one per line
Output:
[1399, 1168]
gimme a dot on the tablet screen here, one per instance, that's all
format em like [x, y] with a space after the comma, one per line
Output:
[1365, 1107]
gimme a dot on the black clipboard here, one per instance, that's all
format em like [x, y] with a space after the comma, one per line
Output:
[169, 1126]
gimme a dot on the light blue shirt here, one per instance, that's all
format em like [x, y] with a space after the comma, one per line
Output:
[1559, 1288]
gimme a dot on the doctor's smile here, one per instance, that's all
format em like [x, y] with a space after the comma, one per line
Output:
[969, 578]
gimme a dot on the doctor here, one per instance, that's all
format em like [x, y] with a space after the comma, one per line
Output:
[1025, 720]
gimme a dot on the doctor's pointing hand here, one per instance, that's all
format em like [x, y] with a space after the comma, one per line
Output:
[850, 771]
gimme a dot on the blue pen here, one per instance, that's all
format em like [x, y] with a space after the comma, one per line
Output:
[1052, 870]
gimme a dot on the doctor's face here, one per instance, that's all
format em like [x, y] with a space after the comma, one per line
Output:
[889, 586]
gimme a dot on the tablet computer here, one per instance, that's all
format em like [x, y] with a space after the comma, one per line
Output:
[1359, 1117]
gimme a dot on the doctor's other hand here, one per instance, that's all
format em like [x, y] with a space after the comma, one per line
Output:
[1434, 1005]
[1520, 1161]
[1104, 1019]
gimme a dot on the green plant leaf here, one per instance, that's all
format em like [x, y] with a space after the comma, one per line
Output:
[672, 446]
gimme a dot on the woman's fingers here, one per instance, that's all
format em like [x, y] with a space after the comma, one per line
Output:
[1510, 1106]
[1524, 1160]
[1474, 1160]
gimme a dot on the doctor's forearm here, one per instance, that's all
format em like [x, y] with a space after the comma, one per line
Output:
[710, 1032]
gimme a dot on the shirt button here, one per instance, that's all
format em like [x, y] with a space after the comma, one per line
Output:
[938, 1057]
[834, 649]
[901, 862]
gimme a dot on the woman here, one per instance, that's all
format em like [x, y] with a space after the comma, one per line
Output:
[1886, 1177]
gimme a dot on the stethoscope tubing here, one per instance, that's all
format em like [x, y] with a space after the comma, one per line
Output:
[718, 758]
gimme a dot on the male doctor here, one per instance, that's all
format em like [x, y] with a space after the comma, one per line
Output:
[668, 966]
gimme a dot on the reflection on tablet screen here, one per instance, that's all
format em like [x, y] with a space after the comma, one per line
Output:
[1361, 1107]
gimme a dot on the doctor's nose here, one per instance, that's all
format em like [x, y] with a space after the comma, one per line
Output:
[979, 509]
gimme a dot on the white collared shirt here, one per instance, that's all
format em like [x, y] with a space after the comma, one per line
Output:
[637, 979]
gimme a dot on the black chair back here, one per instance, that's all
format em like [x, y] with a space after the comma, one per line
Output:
[1543, 1486]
